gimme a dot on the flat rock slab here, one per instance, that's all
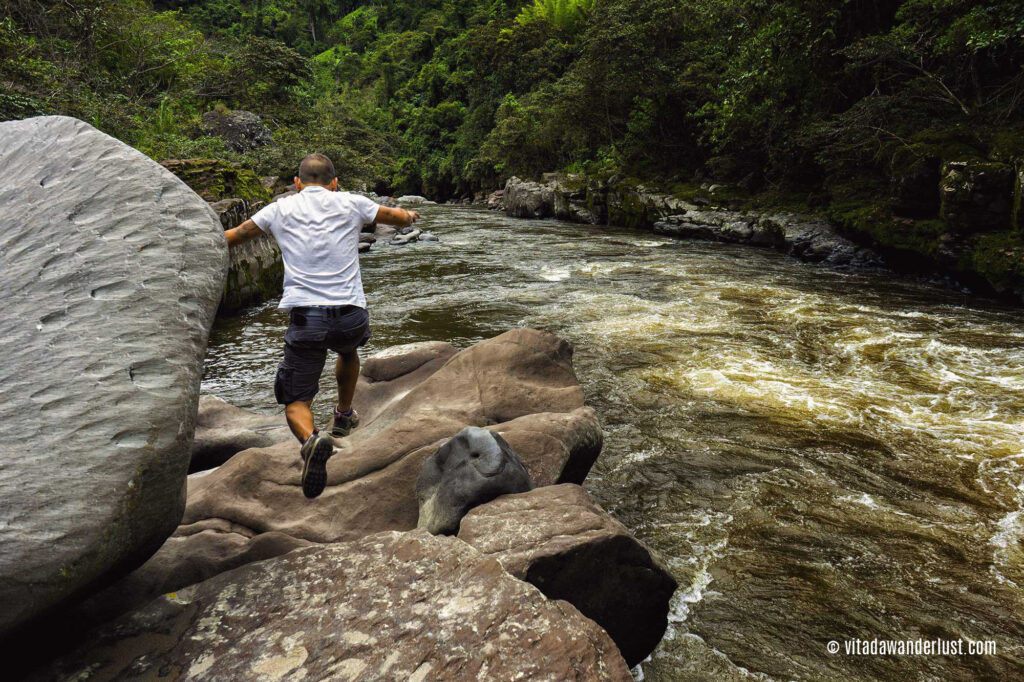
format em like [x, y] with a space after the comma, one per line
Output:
[559, 540]
[111, 269]
[398, 606]
[223, 430]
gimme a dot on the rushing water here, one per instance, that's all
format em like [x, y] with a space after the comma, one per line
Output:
[817, 455]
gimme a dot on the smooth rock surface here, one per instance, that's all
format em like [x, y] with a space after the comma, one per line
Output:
[559, 540]
[111, 271]
[473, 467]
[405, 237]
[223, 430]
[392, 606]
[510, 383]
[410, 398]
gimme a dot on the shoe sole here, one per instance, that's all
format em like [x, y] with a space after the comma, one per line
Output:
[314, 469]
[342, 432]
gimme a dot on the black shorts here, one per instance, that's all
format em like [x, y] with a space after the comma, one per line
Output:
[311, 333]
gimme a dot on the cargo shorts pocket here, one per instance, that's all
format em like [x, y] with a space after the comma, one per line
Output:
[298, 376]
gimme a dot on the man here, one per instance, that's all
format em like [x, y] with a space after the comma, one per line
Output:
[318, 232]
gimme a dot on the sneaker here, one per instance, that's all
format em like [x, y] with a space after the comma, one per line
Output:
[315, 452]
[344, 422]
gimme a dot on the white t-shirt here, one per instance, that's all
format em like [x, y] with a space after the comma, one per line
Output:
[318, 232]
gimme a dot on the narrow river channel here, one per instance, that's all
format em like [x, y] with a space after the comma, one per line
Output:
[819, 456]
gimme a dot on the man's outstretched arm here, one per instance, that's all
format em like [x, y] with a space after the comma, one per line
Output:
[245, 232]
[396, 216]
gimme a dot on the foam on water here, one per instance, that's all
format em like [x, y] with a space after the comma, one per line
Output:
[805, 448]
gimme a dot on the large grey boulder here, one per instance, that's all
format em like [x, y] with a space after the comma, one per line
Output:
[528, 199]
[559, 540]
[241, 131]
[391, 606]
[111, 269]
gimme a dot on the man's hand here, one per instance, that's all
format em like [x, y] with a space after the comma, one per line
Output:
[245, 232]
[396, 216]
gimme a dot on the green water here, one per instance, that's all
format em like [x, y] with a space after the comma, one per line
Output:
[817, 455]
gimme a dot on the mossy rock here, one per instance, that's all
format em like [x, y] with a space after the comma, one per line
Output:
[914, 243]
[999, 260]
[214, 179]
[977, 195]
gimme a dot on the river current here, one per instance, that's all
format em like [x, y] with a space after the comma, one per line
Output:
[817, 455]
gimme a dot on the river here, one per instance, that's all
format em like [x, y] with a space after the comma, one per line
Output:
[817, 455]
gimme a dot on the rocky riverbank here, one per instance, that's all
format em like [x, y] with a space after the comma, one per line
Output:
[570, 198]
[962, 220]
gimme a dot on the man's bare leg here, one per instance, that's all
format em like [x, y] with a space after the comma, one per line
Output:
[300, 419]
[346, 371]
[316, 448]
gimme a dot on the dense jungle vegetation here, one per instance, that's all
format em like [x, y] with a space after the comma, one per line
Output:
[824, 102]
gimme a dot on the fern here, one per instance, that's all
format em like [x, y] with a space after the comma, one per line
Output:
[562, 14]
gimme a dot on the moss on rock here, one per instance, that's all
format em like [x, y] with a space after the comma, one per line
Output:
[999, 260]
[215, 179]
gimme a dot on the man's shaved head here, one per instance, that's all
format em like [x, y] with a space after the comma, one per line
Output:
[316, 169]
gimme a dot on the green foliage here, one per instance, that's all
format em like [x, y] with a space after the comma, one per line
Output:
[452, 96]
[562, 14]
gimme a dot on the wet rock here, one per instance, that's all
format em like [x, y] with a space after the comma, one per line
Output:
[405, 237]
[804, 238]
[256, 270]
[112, 273]
[977, 195]
[255, 274]
[384, 231]
[473, 467]
[404, 606]
[559, 540]
[223, 430]
[429, 237]
[366, 240]
[241, 131]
